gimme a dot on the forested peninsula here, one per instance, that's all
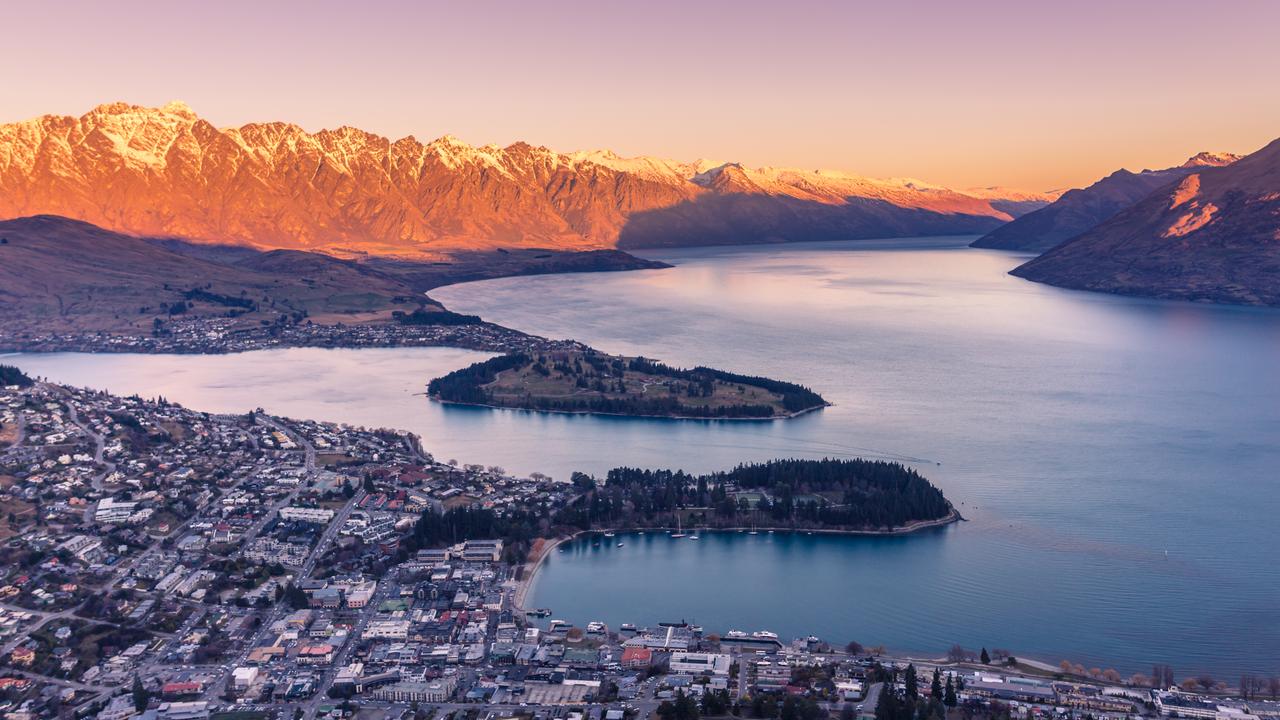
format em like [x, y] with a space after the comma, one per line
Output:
[845, 495]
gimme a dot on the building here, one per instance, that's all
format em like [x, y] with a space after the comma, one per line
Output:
[179, 690]
[359, 594]
[1010, 688]
[321, 654]
[110, 512]
[319, 516]
[694, 663]
[438, 690]
[387, 629]
[482, 550]
[196, 710]
[81, 546]
[329, 597]
[772, 674]
[243, 677]
[637, 657]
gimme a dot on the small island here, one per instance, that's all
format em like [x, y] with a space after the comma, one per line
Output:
[588, 381]
[828, 495]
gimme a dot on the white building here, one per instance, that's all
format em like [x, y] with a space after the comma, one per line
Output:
[388, 629]
[243, 677]
[319, 516]
[110, 512]
[694, 663]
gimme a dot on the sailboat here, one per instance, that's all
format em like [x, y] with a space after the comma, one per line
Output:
[753, 528]
[679, 533]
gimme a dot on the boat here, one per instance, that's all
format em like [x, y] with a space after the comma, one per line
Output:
[538, 612]
[735, 634]
[620, 544]
[753, 528]
[693, 537]
[609, 534]
[679, 533]
[764, 635]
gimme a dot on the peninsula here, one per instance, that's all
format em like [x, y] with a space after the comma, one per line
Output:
[583, 380]
[830, 495]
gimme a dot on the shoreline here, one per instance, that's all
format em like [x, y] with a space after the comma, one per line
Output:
[771, 418]
[531, 565]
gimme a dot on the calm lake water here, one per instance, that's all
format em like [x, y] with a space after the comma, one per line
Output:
[1118, 459]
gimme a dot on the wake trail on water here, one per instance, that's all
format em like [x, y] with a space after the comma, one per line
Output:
[822, 447]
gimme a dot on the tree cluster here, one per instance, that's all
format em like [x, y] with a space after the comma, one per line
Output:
[828, 493]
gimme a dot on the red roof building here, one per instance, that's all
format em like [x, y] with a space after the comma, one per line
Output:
[637, 657]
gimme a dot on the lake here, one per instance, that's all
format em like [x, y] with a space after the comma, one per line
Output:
[1118, 459]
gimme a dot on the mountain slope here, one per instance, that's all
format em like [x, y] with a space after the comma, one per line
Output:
[165, 172]
[70, 273]
[1078, 210]
[1213, 236]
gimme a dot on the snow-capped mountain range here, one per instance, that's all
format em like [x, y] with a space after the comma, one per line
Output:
[167, 172]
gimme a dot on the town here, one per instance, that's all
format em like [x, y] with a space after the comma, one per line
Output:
[166, 563]
[202, 334]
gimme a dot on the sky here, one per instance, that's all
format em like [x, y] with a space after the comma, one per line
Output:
[1028, 94]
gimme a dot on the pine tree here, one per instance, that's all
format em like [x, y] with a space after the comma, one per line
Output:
[949, 695]
[912, 683]
[986, 659]
[140, 695]
[935, 688]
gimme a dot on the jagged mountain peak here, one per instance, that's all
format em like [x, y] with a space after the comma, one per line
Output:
[167, 172]
[1210, 159]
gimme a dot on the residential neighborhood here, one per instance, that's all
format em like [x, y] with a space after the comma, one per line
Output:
[167, 563]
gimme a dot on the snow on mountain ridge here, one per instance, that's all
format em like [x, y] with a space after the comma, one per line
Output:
[166, 171]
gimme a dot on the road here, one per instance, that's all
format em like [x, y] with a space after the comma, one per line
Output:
[278, 611]
[99, 443]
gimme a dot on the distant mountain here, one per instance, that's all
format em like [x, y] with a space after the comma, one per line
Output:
[1013, 201]
[1212, 236]
[165, 172]
[1075, 211]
